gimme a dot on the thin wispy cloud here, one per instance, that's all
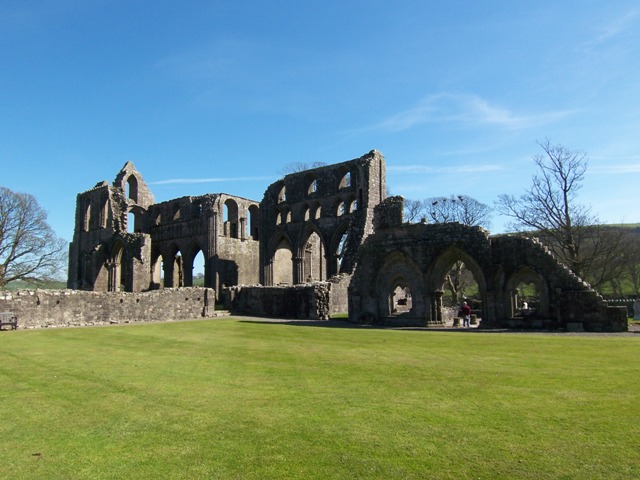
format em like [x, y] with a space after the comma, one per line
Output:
[615, 28]
[191, 181]
[465, 109]
[418, 169]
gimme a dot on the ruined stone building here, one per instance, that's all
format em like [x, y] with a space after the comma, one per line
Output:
[321, 241]
[313, 222]
[307, 228]
[401, 271]
[124, 241]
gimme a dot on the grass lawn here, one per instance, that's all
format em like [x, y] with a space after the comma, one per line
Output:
[235, 399]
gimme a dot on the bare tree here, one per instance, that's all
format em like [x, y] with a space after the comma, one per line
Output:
[29, 249]
[458, 208]
[413, 210]
[548, 210]
[295, 167]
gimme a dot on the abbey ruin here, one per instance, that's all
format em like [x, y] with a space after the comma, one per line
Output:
[320, 242]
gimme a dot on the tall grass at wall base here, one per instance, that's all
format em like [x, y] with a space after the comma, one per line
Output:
[235, 399]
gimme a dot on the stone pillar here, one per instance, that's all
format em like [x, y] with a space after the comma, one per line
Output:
[188, 272]
[168, 272]
[268, 273]
[439, 294]
[243, 229]
[211, 252]
[114, 278]
[433, 307]
[298, 270]
[514, 301]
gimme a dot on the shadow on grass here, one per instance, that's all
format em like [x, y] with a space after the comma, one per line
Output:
[310, 323]
[346, 324]
[476, 330]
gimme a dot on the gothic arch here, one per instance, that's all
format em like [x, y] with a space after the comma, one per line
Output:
[188, 258]
[439, 268]
[117, 267]
[528, 275]
[281, 259]
[345, 180]
[399, 271]
[132, 188]
[173, 267]
[312, 251]
[338, 247]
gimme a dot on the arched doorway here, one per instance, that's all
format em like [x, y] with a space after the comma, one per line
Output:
[173, 268]
[282, 263]
[197, 264]
[313, 257]
[528, 294]
[399, 291]
[455, 277]
[117, 277]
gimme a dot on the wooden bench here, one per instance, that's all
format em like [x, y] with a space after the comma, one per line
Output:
[8, 319]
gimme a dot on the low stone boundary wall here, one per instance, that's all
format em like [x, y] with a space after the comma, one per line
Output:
[65, 308]
[632, 305]
[309, 301]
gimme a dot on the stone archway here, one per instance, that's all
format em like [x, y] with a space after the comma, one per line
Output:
[440, 268]
[312, 253]
[537, 303]
[116, 269]
[399, 288]
[282, 261]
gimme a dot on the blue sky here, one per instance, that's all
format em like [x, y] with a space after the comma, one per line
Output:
[218, 96]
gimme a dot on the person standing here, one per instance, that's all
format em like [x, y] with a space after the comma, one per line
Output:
[466, 314]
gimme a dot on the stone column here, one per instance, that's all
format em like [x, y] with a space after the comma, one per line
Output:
[514, 301]
[168, 272]
[298, 270]
[268, 273]
[212, 250]
[243, 229]
[439, 294]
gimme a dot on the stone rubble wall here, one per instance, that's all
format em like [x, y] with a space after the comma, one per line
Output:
[339, 294]
[305, 301]
[67, 308]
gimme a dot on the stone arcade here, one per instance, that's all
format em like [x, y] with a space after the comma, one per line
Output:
[416, 258]
[321, 241]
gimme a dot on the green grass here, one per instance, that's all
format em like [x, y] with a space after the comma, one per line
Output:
[234, 399]
[43, 285]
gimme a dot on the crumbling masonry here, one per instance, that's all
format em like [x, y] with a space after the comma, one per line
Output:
[123, 241]
[415, 258]
[320, 242]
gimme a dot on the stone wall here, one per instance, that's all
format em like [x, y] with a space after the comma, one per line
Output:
[339, 294]
[304, 301]
[313, 221]
[66, 308]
